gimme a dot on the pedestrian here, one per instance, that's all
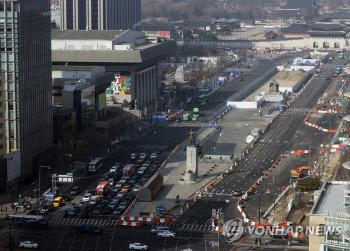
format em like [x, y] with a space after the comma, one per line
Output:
[256, 241]
[6, 209]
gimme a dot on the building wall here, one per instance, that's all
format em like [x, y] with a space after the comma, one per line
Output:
[100, 14]
[146, 86]
[306, 43]
[27, 84]
[316, 240]
[81, 45]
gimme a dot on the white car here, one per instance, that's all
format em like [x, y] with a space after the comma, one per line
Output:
[28, 244]
[133, 156]
[153, 156]
[166, 234]
[143, 156]
[113, 169]
[93, 200]
[136, 188]
[138, 246]
[86, 197]
[140, 171]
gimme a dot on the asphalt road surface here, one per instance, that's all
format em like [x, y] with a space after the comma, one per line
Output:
[271, 145]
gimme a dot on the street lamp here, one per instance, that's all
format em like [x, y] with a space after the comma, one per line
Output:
[39, 182]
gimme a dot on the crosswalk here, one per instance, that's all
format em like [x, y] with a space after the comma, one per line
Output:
[298, 110]
[186, 124]
[192, 227]
[79, 221]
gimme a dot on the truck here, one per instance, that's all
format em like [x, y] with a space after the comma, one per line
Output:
[128, 169]
[300, 172]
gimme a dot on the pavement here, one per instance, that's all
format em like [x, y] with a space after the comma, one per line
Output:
[272, 144]
[190, 233]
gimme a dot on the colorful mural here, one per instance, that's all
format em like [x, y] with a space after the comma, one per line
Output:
[121, 84]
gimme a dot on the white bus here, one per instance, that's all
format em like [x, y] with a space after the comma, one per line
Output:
[95, 164]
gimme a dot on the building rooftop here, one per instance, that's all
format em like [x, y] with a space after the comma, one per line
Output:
[296, 28]
[326, 26]
[286, 13]
[332, 199]
[85, 35]
[327, 33]
[300, 4]
[72, 68]
[99, 57]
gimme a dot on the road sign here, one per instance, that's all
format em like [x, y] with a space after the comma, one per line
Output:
[65, 178]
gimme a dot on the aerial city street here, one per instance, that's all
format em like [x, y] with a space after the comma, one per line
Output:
[181, 125]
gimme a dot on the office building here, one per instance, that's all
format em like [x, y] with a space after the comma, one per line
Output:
[331, 210]
[100, 14]
[128, 56]
[26, 83]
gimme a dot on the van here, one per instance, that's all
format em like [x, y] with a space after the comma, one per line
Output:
[158, 229]
[57, 202]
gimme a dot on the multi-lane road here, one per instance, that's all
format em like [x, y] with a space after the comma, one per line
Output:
[192, 227]
[271, 145]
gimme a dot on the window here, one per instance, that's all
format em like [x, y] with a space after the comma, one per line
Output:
[12, 145]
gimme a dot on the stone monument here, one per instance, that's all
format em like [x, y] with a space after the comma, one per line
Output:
[191, 173]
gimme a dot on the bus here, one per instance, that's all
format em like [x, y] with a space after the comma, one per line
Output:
[195, 113]
[95, 165]
[102, 187]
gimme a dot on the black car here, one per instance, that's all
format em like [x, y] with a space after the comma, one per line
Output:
[88, 229]
[107, 211]
[71, 212]
[74, 191]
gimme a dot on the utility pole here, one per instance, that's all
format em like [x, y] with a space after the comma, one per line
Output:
[39, 181]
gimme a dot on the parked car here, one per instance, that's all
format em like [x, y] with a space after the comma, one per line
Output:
[138, 246]
[133, 156]
[166, 234]
[28, 244]
[88, 229]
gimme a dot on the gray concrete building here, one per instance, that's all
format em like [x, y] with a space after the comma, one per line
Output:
[26, 73]
[131, 59]
[100, 14]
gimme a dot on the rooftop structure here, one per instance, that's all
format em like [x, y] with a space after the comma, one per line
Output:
[127, 55]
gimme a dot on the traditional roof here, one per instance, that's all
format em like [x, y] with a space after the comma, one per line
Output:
[300, 4]
[296, 28]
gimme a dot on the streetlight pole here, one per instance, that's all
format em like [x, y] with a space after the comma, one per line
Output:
[39, 182]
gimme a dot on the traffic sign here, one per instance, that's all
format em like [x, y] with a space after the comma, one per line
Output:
[65, 178]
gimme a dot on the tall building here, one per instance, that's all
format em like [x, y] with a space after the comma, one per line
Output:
[100, 14]
[26, 83]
